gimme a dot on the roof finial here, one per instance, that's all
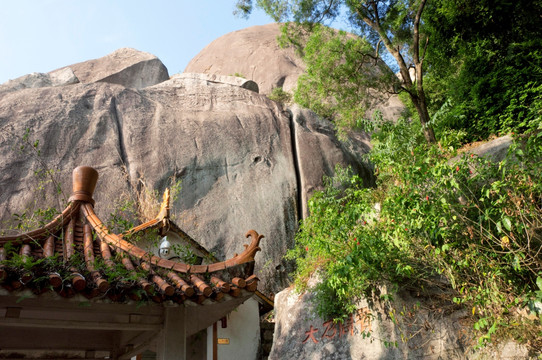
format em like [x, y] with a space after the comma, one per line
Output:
[84, 183]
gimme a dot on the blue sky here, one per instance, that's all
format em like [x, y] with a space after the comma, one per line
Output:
[43, 35]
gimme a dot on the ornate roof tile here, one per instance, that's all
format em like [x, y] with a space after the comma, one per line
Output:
[77, 253]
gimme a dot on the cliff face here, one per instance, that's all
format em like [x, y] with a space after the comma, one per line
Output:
[408, 327]
[253, 53]
[244, 162]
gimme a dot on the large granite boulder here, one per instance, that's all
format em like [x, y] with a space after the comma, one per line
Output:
[321, 150]
[127, 67]
[495, 150]
[235, 151]
[411, 327]
[221, 79]
[58, 77]
[253, 53]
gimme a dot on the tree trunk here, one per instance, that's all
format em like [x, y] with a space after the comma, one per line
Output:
[415, 90]
[417, 95]
[421, 108]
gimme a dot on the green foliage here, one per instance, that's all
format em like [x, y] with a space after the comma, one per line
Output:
[144, 205]
[123, 216]
[472, 222]
[339, 241]
[185, 254]
[484, 64]
[44, 182]
[280, 96]
[141, 204]
[339, 79]
[342, 72]
[27, 221]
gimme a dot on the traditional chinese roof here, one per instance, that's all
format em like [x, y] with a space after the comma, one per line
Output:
[77, 253]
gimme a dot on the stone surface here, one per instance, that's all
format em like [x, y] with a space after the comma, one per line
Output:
[127, 67]
[494, 150]
[253, 53]
[63, 77]
[321, 150]
[34, 80]
[231, 80]
[371, 334]
[30, 81]
[59, 77]
[233, 150]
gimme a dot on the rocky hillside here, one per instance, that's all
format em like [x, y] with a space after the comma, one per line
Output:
[244, 162]
[253, 53]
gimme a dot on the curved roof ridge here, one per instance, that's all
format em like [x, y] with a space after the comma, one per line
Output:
[79, 231]
[119, 243]
[163, 216]
[41, 233]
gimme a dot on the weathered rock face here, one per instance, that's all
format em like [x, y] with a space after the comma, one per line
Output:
[321, 151]
[220, 79]
[36, 80]
[127, 67]
[253, 53]
[371, 333]
[233, 149]
[494, 150]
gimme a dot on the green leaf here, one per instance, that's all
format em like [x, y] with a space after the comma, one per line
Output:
[507, 223]
[539, 282]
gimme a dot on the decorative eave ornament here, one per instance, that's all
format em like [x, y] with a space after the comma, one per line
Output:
[78, 233]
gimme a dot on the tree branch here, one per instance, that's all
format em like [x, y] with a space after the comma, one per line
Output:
[375, 9]
[396, 53]
[367, 20]
[377, 51]
[325, 12]
[364, 55]
[424, 50]
[416, 34]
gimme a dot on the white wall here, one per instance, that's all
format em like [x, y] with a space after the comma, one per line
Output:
[243, 331]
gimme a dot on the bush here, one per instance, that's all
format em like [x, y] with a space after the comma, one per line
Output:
[473, 222]
[280, 96]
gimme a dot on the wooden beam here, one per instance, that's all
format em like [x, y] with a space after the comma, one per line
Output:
[34, 358]
[215, 342]
[52, 301]
[69, 324]
[13, 312]
[26, 338]
[115, 349]
[140, 348]
[172, 339]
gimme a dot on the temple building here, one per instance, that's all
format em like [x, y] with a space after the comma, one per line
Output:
[73, 289]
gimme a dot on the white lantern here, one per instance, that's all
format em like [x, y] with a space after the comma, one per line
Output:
[164, 247]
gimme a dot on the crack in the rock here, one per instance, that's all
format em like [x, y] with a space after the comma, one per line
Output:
[299, 185]
[121, 146]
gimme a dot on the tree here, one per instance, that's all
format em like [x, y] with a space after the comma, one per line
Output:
[395, 24]
[484, 61]
[332, 86]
